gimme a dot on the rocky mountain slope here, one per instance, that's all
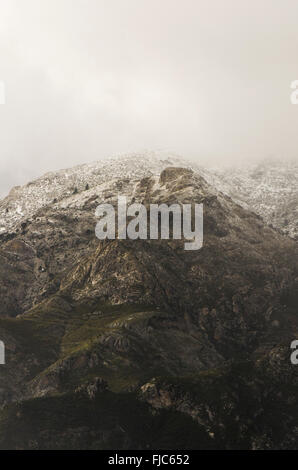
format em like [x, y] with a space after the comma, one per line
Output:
[141, 344]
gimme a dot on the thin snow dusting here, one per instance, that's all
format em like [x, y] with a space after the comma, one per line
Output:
[269, 189]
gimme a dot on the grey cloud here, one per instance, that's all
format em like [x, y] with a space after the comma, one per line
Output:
[88, 78]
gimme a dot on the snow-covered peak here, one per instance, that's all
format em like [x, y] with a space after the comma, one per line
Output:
[269, 189]
[53, 187]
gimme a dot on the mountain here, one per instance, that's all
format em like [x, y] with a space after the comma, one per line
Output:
[141, 344]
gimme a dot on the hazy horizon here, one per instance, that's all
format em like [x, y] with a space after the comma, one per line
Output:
[87, 79]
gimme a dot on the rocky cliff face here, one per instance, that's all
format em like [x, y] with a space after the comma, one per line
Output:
[194, 345]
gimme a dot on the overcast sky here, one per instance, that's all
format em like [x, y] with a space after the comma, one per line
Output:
[209, 79]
